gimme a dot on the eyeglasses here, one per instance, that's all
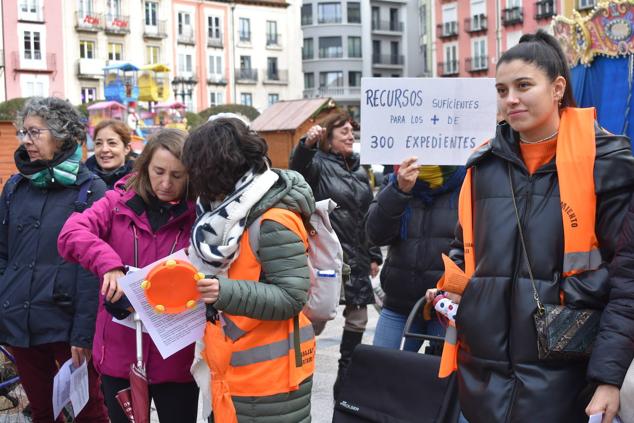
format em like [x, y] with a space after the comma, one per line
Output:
[33, 133]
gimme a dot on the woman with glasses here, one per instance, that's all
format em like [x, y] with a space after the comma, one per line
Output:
[47, 306]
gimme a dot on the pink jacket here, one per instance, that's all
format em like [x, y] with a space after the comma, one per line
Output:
[101, 239]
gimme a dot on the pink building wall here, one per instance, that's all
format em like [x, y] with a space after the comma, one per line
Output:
[464, 39]
[200, 34]
[52, 53]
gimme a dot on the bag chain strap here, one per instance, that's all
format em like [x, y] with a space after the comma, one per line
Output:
[540, 306]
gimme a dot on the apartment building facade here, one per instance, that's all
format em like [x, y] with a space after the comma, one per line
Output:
[98, 33]
[344, 40]
[472, 34]
[33, 48]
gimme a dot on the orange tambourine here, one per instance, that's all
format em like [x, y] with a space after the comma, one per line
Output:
[171, 286]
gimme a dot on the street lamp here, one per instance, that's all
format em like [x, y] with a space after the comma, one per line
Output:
[183, 87]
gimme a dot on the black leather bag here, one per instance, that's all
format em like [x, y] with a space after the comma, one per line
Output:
[563, 333]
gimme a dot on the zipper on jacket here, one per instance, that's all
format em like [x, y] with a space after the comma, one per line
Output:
[518, 260]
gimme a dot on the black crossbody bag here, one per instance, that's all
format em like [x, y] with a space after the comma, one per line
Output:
[563, 333]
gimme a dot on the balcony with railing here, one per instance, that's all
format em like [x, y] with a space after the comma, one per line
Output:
[90, 68]
[477, 63]
[334, 92]
[216, 79]
[37, 64]
[32, 14]
[544, 9]
[387, 26]
[247, 75]
[88, 22]
[117, 24]
[275, 76]
[512, 16]
[273, 40]
[186, 36]
[449, 68]
[476, 24]
[447, 29]
[388, 60]
[214, 40]
[244, 37]
[157, 31]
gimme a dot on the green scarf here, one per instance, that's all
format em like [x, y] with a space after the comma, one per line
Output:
[64, 173]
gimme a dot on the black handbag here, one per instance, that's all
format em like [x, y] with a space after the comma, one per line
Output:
[563, 333]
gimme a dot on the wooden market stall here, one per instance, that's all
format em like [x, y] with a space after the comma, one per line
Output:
[8, 145]
[285, 122]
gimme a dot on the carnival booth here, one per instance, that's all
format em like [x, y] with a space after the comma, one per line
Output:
[600, 51]
[102, 111]
[120, 82]
[154, 83]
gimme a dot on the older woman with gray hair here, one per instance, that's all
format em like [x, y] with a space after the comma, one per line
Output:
[47, 305]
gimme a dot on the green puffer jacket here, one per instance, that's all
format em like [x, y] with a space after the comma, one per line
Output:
[280, 295]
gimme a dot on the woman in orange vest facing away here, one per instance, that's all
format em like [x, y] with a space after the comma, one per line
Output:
[259, 346]
[540, 212]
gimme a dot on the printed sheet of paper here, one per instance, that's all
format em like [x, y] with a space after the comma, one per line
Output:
[70, 386]
[170, 332]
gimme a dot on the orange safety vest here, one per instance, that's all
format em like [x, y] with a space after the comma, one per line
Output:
[250, 357]
[576, 152]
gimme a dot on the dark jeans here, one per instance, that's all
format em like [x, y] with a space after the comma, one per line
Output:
[38, 366]
[175, 402]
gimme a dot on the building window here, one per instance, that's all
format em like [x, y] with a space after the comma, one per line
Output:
[32, 45]
[376, 17]
[151, 11]
[153, 54]
[585, 4]
[85, 7]
[330, 79]
[307, 14]
[244, 26]
[114, 7]
[271, 33]
[354, 46]
[213, 27]
[329, 12]
[354, 12]
[479, 55]
[184, 23]
[88, 94]
[115, 51]
[517, 3]
[86, 49]
[185, 63]
[245, 62]
[215, 65]
[216, 98]
[246, 99]
[309, 80]
[451, 59]
[354, 79]
[308, 49]
[272, 72]
[273, 98]
[29, 6]
[330, 47]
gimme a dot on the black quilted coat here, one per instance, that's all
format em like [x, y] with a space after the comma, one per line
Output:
[346, 182]
[500, 377]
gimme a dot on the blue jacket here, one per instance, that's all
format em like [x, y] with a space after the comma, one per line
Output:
[43, 298]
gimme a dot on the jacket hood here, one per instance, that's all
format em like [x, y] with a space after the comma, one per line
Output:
[289, 192]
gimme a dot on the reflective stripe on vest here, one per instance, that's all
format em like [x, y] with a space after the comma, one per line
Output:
[582, 261]
[231, 329]
[270, 351]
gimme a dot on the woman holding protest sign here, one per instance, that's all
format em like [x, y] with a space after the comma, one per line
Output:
[540, 212]
[146, 217]
[326, 158]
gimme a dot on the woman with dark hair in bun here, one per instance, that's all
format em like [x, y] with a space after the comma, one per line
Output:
[250, 239]
[540, 213]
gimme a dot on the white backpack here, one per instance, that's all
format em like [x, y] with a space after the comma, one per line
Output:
[325, 262]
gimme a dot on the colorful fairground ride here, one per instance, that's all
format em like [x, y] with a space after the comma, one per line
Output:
[600, 50]
[125, 86]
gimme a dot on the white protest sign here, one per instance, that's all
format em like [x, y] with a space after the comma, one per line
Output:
[438, 120]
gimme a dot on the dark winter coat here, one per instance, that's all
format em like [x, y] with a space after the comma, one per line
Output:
[413, 265]
[500, 377]
[43, 298]
[346, 183]
[110, 178]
